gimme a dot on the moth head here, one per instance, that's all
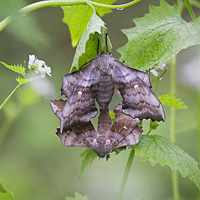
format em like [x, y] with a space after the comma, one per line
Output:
[102, 146]
[104, 65]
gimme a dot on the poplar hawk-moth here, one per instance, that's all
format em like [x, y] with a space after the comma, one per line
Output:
[97, 81]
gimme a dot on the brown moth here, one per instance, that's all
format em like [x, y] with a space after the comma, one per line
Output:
[97, 81]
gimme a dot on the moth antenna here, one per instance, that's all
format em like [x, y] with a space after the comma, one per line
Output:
[87, 63]
[98, 47]
[106, 42]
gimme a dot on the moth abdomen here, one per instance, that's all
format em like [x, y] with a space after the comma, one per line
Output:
[105, 91]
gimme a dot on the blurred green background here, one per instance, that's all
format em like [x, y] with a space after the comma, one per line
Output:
[33, 163]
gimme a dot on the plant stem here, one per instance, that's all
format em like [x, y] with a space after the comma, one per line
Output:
[9, 96]
[198, 103]
[43, 4]
[174, 175]
[190, 10]
[125, 175]
[115, 6]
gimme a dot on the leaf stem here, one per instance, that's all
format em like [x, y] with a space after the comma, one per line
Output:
[40, 4]
[190, 10]
[9, 96]
[115, 6]
[125, 175]
[43, 4]
[174, 175]
[198, 103]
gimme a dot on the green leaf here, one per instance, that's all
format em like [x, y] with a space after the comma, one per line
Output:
[172, 101]
[157, 149]
[88, 156]
[154, 125]
[22, 80]
[158, 36]
[78, 16]
[4, 193]
[119, 150]
[16, 68]
[77, 197]
[87, 47]
[112, 115]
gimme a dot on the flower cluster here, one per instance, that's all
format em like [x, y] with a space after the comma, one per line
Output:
[38, 66]
[160, 66]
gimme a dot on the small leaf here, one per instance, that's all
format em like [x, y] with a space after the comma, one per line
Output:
[154, 125]
[118, 150]
[5, 194]
[172, 101]
[157, 149]
[78, 16]
[87, 47]
[88, 156]
[22, 80]
[16, 68]
[158, 36]
[112, 115]
[77, 197]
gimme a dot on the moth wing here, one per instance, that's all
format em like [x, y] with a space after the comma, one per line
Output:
[125, 130]
[69, 82]
[138, 99]
[80, 107]
[57, 106]
[78, 136]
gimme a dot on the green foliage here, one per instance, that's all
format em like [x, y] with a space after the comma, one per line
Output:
[88, 156]
[22, 80]
[16, 68]
[172, 101]
[157, 149]
[153, 126]
[78, 16]
[87, 48]
[77, 197]
[112, 115]
[158, 36]
[4, 193]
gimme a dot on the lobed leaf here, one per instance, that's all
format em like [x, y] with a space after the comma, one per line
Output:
[158, 36]
[16, 68]
[4, 193]
[78, 16]
[87, 47]
[157, 149]
[172, 101]
[77, 197]
[88, 156]
[22, 80]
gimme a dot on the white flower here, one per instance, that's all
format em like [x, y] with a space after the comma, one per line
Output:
[34, 62]
[154, 72]
[160, 66]
[39, 66]
[44, 70]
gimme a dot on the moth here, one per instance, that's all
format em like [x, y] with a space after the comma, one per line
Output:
[97, 81]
